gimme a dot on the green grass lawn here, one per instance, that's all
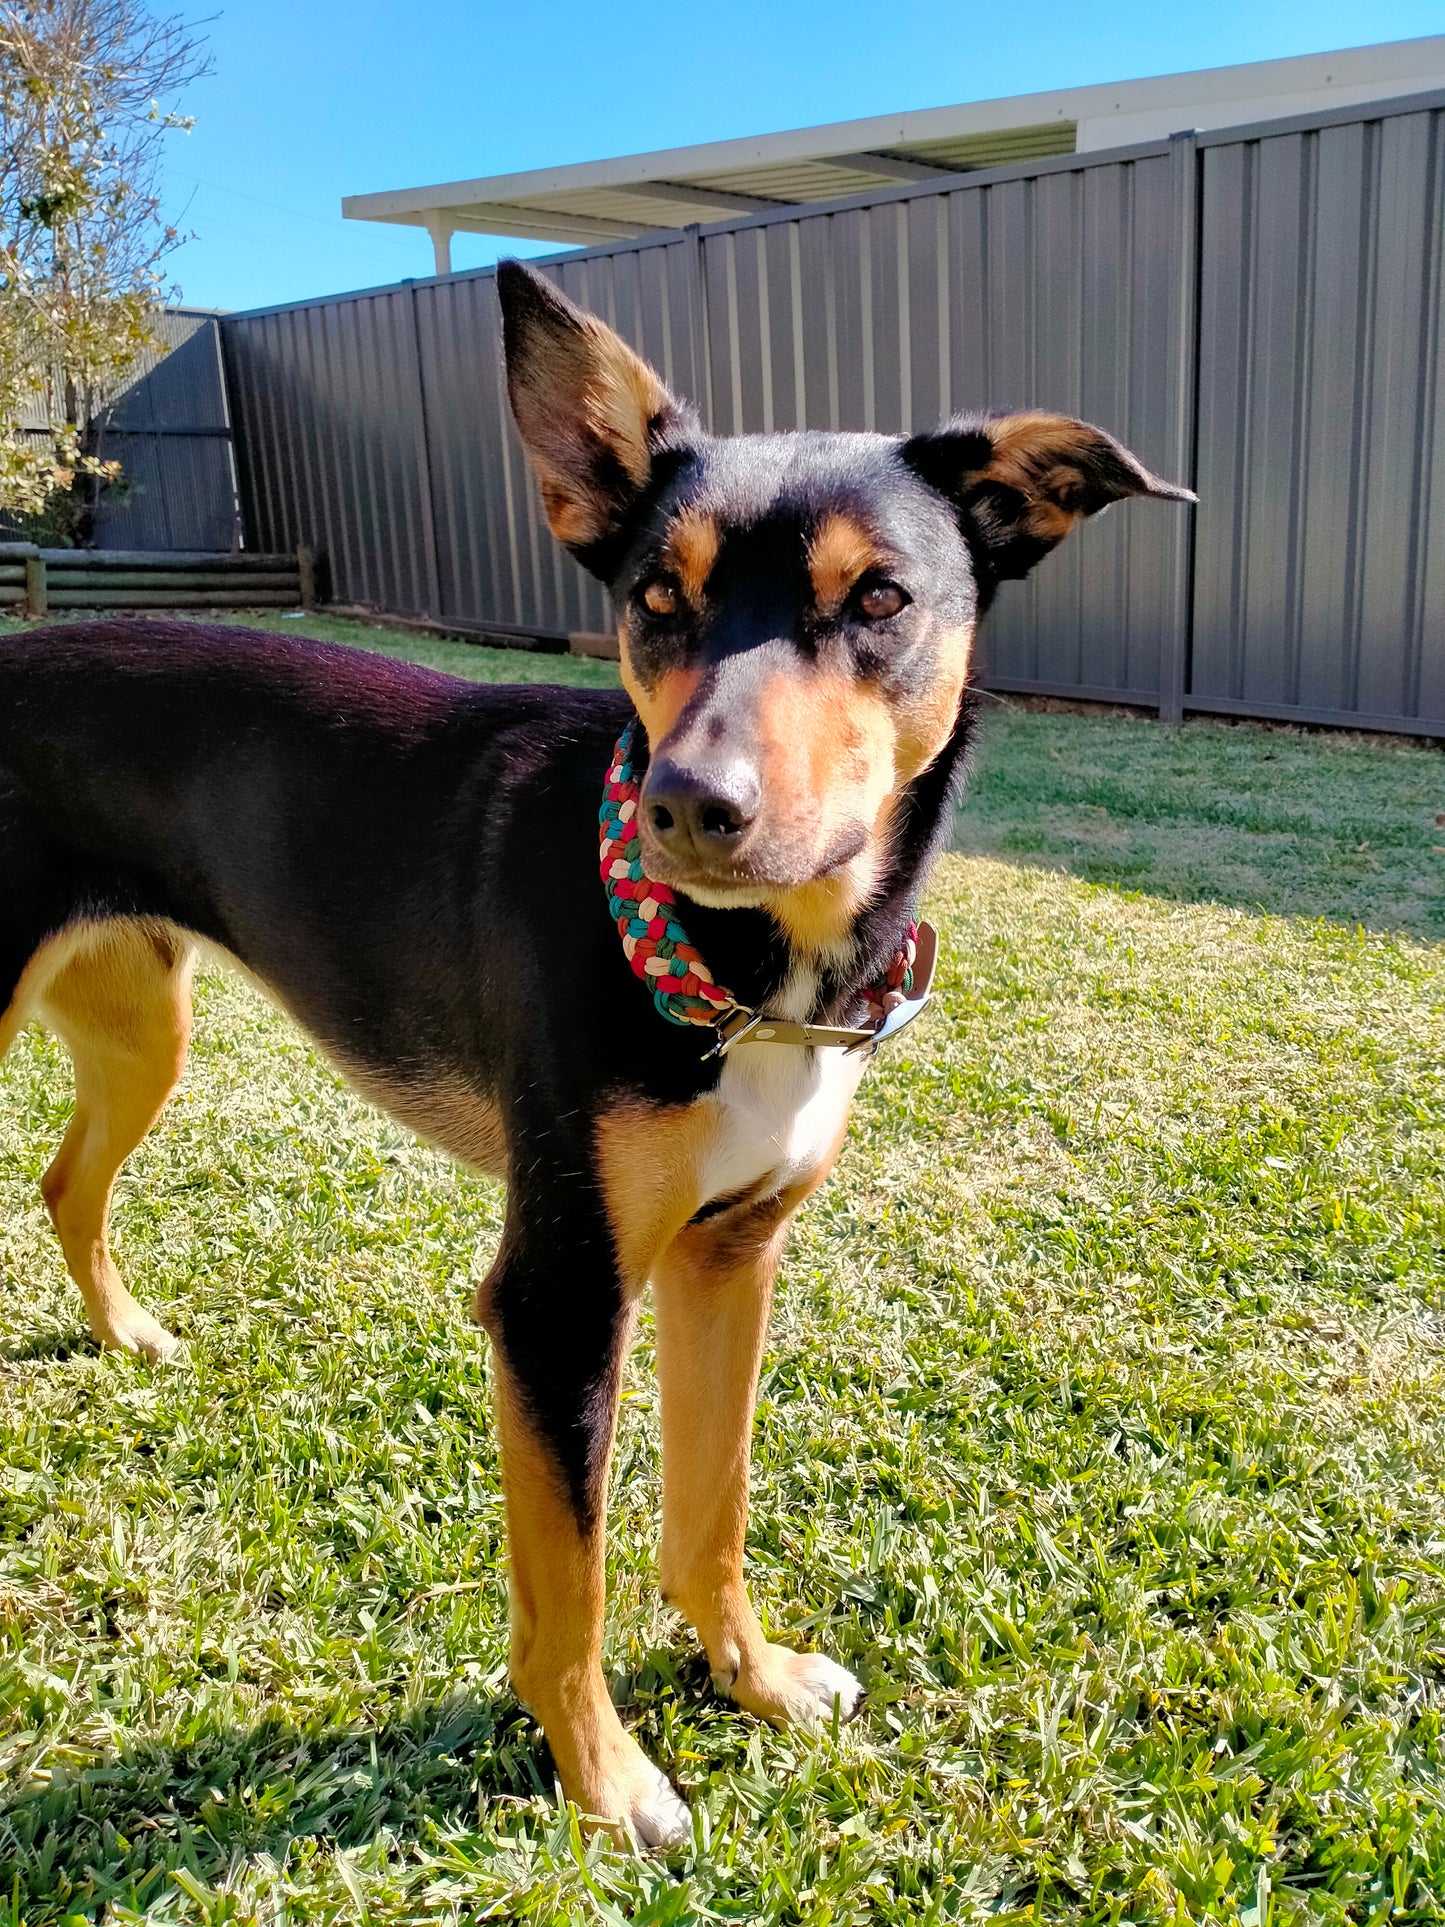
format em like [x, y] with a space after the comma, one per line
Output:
[1101, 1429]
[1327, 825]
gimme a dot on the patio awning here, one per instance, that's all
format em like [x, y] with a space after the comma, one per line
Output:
[593, 202]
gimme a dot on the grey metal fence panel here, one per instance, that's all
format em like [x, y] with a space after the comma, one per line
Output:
[887, 315]
[1256, 311]
[1321, 457]
[376, 429]
[333, 453]
[496, 561]
[170, 429]
[1076, 272]
[166, 421]
[491, 553]
[1046, 291]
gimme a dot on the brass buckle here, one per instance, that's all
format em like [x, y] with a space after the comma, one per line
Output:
[732, 1027]
[739, 1025]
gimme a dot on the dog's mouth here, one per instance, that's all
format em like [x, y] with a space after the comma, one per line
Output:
[756, 875]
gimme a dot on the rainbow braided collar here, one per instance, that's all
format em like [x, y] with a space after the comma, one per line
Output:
[673, 969]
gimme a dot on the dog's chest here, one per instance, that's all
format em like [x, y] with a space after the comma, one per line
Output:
[779, 1112]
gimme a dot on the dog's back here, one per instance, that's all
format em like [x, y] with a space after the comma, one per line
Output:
[309, 808]
[329, 819]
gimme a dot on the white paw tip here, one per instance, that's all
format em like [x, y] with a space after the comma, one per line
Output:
[662, 1821]
[831, 1684]
[149, 1341]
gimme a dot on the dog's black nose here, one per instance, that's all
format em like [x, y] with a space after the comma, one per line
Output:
[711, 808]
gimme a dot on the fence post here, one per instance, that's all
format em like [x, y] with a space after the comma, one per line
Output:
[37, 599]
[699, 332]
[431, 560]
[306, 575]
[1183, 376]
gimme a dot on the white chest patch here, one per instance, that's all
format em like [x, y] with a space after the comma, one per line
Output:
[780, 1110]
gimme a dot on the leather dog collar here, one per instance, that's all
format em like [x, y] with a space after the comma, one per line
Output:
[683, 987]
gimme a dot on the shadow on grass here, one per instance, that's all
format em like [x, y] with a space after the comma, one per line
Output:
[1295, 824]
[49, 1348]
[112, 1830]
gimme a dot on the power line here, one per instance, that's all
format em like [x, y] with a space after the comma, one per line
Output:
[276, 207]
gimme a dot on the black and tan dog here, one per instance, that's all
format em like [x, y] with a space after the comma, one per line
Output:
[409, 865]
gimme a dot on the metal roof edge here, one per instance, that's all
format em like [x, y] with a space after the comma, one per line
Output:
[1385, 108]
[1191, 87]
[785, 211]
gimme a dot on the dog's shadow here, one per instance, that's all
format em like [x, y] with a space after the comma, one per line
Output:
[48, 1348]
[111, 1829]
[106, 1830]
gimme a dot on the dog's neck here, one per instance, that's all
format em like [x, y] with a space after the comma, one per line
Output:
[921, 825]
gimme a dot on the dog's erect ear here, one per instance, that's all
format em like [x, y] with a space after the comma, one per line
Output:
[593, 416]
[1023, 481]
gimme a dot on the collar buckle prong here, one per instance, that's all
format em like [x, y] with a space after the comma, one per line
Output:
[733, 1026]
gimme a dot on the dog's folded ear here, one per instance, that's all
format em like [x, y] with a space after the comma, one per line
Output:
[1021, 482]
[593, 416]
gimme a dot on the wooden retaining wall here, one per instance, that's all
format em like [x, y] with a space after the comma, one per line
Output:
[38, 582]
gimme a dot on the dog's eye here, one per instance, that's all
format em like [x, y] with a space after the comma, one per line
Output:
[880, 600]
[660, 597]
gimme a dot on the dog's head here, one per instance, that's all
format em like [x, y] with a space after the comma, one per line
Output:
[796, 611]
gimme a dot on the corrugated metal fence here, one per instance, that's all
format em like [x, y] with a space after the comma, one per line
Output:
[167, 423]
[1257, 311]
[170, 429]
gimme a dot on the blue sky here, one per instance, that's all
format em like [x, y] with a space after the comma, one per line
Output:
[313, 99]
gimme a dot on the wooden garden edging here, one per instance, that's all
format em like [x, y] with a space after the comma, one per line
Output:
[38, 582]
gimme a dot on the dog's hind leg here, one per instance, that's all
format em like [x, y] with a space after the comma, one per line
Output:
[712, 1290]
[121, 1004]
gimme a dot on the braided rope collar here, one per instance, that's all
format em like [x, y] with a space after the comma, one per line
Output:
[682, 986]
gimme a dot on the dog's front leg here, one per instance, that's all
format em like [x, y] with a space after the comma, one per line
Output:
[713, 1292]
[560, 1324]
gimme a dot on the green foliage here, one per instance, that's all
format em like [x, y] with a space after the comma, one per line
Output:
[1100, 1432]
[82, 238]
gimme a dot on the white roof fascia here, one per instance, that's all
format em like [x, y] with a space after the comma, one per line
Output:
[1108, 115]
[1123, 130]
[526, 223]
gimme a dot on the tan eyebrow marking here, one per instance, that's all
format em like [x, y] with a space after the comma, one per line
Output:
[691, 550]
[841, 550]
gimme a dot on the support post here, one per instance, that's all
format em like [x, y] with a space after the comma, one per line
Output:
[440, 230]
[306, 571]
[1183, 373]
[37, 598]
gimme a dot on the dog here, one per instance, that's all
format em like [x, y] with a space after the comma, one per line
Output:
[409, 865]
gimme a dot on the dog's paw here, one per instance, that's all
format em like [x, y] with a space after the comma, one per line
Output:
[638, 1806]
[133, 1330]
[660, 1821]
[796, 1689]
